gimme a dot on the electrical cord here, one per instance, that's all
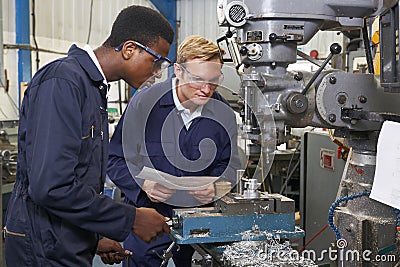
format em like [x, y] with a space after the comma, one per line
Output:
[90, 21]
[367, 48]
[34, 34]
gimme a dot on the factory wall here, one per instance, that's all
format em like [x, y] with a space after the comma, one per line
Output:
[59, 23]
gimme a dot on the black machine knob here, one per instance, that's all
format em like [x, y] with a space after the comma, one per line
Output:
[335, 48]
[243, 50]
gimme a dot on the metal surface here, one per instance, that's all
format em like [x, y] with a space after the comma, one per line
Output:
[372, 229]
[318, 190]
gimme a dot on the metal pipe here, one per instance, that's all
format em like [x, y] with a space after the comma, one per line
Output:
[239, 185]
[168, 9]
[22, 36]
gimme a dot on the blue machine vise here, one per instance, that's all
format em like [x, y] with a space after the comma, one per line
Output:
[234, 218]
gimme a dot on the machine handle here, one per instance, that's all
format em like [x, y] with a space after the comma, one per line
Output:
[335, 49]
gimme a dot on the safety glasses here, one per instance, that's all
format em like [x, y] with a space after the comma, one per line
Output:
[160, 63]
[196, 80]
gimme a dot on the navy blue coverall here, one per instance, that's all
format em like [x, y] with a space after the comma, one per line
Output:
[138, 139]
[56, 209]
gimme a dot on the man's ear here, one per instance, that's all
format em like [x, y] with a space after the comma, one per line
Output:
[178, 70]
[129, 49]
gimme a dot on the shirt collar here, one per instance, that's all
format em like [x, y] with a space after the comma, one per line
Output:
[92, 55]
[178, 103]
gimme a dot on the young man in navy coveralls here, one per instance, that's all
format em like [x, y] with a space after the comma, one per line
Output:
[57, 210]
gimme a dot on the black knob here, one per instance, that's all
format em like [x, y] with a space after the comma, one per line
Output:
[298, 76]
[229, 34]
[243, 50]
[273, 37]
[335, 48]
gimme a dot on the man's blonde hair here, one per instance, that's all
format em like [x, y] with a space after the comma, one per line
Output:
[197, 47]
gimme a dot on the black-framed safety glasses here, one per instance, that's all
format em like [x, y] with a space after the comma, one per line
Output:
[159, 63]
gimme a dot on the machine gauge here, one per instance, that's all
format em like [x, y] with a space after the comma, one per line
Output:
[254, 51]
[236, 13]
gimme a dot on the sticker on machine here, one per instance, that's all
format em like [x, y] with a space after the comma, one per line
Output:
[326, 159]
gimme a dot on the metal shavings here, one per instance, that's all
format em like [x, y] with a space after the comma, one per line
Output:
[199, 235]
[256, 232]
[269, 253]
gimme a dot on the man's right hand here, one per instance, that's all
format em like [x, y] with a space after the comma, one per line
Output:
[157, 192]
[149, 224]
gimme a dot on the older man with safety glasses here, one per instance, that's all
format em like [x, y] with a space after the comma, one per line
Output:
[182, 127]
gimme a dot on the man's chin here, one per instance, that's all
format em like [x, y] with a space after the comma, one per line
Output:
[199, 101]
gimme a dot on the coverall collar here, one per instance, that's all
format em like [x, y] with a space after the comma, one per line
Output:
[86, 62]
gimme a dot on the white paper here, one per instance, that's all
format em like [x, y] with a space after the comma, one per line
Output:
[174, 182]
[386, 186]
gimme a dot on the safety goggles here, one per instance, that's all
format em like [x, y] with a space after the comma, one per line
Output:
[159, 63]
[196, 80]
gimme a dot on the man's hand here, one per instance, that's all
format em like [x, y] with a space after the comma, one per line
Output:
[111, 251]
[204, 196]
[149, 224]
[157, 192]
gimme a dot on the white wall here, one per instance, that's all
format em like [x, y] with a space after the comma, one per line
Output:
[59, 23]
[8, 102]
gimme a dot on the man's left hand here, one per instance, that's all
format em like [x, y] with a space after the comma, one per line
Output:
[111, 251]
[204, 196]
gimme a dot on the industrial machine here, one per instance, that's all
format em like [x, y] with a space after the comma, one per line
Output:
[262, 39]
[8, 166]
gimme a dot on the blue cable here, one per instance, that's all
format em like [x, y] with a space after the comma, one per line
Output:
[336, 204]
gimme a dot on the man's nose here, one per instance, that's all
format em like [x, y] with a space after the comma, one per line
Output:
[206, 88]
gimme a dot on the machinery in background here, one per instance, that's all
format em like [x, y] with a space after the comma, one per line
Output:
[8, 166]
[262, 39]
[8, 150]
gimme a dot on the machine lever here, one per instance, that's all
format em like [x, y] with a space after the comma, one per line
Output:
[335, 49]
[167, 254]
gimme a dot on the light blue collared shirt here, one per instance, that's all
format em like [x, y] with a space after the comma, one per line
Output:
[187, 117]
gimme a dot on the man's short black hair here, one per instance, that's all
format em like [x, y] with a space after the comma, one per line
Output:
[140, 24]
